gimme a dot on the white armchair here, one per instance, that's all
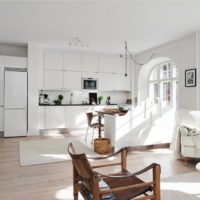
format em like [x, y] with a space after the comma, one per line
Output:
[190, 142]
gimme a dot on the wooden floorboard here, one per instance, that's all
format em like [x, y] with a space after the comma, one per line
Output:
[54, 181]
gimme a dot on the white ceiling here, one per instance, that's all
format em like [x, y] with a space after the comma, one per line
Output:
[105, 25]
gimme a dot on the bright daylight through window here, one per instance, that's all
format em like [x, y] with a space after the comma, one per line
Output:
[163, 85]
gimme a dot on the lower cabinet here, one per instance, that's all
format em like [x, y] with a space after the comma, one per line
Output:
[76, 116]
[54, 117]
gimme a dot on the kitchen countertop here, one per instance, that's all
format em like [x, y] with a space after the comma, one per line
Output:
[76, 105]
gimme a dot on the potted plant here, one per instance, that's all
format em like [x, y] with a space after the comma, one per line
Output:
[60, 98]
[100, 98]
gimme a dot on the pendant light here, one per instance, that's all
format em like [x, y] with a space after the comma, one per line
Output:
[127, 52]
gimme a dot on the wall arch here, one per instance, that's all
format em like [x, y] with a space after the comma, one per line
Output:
[143, 78]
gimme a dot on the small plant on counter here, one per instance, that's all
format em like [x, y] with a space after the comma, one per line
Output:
[59, 100]
[100, 99]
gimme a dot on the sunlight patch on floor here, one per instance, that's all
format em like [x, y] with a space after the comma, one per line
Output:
[186, 187]
[66, 194]
[161, 151]
[58, 156]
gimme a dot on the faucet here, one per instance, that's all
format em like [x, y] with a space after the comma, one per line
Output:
[71, 95]
[108, 100]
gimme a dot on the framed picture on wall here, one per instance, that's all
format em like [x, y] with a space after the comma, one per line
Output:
[190, 78]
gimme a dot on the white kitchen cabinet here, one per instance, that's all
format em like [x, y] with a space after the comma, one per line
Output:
[72, 80]
[122, 82]
[119, 65]
[1, 119]
[1, 80]
[53, 79]
[42, 117]
[106, 81]
[1, 93]
[76, 116]
[53, 60]
[15, 62]
[89, 63]
[90, 75]
[54, 117]
[106, 64]
[72, 62]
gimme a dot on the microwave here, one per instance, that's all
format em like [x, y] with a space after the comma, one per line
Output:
[89, 84]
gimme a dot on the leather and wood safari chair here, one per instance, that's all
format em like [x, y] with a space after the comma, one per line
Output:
[120, 186]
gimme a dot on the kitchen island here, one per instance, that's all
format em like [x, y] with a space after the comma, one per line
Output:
[139, 128]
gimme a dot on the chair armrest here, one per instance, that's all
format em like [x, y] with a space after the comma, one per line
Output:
[151, 166]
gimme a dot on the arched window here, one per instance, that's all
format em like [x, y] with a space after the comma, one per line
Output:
[163, 85]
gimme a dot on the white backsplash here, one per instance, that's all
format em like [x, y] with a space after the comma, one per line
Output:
[79, 96]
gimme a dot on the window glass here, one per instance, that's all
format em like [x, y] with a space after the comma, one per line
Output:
[163, 84]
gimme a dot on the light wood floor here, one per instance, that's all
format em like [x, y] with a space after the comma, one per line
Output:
[54, 181]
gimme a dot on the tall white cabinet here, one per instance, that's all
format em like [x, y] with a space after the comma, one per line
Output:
[1, 92]
[11, 62]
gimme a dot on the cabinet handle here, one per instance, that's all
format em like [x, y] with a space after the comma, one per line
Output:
[1, 106]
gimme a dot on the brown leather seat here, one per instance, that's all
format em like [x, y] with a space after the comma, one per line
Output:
[92, 124]
[119, 186]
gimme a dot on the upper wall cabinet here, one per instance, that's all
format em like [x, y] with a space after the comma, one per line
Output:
[106, 81]
[106, 64]
[119, 65]
[15, 62]
[72, 80]
[90, 75]
[72, 62]
[53, 60]
[89, 63]
[53, 79]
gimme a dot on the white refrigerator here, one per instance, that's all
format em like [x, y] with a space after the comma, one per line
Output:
[15, 102]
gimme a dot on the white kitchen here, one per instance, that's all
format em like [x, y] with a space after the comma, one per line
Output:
[126, 62]
[63, 72]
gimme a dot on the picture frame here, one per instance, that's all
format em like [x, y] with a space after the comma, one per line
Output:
[190, 78]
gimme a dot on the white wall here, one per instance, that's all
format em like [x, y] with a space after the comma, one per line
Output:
[33, 87]
[183, 53]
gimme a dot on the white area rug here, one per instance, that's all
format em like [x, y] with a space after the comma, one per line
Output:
[181, 187]
[49, 150]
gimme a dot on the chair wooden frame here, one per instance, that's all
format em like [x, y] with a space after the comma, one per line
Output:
[94, 125]
[86, 180]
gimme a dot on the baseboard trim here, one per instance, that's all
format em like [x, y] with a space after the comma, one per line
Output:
[146, 147]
